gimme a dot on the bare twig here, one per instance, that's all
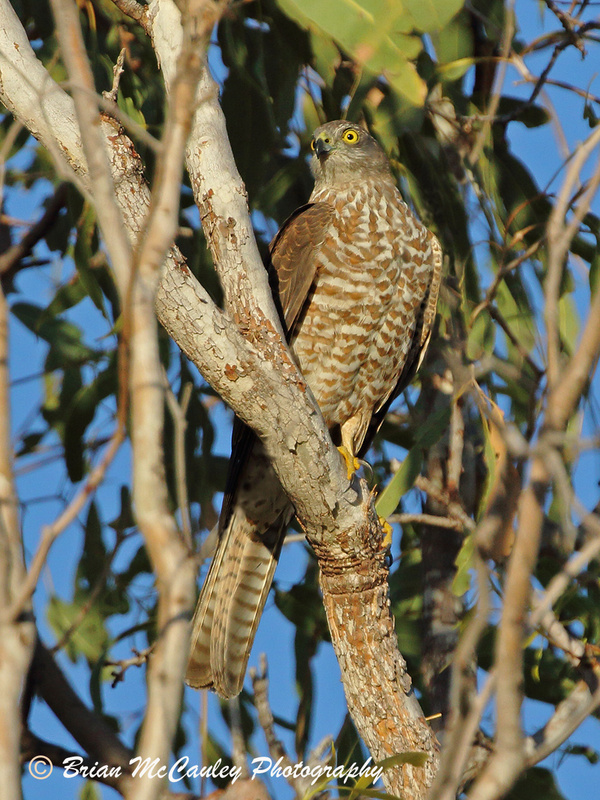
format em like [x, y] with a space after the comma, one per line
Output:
[238, 743]
[52, 531]
[560, 233]
[131, 8]
[260, 685]
[440, 496]
[421, 519]
[178, 415]
[117, 72]
[110, 218]
[569, 24]
[561, 580]
[301, 785]
[139, 658]
[568, 715]
[466, 710]
[509, 757]
[170, 558]
[11, 257]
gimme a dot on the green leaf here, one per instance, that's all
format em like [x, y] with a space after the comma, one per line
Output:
[125, 518]
[595, 271]
[94, 552]
[67, 296]
[454, 70]
[79, 415]
[482, 337]
[568, 323]
[376, 33]
[84, 249]
[214, 752]
[464, 560]
[454, 41]
[348, 745]
[302, 605]
[415, 757]
[89, 791]
[531, 116]
[64, 337]
[431, 15]
[29, 443]
[537, 784]
[89, 638]
[588, 753]
[403, 480]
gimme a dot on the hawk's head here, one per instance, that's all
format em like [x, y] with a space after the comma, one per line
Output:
[343, 153]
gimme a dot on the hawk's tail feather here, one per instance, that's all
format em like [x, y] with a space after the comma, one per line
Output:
[231, 603]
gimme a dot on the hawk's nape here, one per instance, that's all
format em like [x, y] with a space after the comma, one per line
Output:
[357, 278]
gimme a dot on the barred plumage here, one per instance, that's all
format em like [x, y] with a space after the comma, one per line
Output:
[357, 277]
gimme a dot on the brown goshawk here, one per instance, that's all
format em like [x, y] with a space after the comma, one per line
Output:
[357, 278]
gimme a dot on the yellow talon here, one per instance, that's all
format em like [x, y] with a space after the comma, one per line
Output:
[352, 463]
[387, 531]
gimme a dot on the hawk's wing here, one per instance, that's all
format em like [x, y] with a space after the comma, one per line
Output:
[418, 346]
[293, 258]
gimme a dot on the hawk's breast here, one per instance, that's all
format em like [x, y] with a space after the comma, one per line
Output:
[372, 277]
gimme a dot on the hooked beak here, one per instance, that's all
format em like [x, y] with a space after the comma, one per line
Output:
[322, 147]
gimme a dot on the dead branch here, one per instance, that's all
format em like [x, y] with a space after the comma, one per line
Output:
[139, 658]
[16, 634]
[301, 785]
[10, 259]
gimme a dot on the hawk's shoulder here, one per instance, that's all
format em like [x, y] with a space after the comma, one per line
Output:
[293, 257]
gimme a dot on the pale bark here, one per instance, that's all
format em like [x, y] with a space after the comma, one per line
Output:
[16, 635]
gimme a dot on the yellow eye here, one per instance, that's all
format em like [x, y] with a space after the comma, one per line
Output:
[350, 136]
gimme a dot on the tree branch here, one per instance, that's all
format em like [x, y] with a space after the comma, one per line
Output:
[560, 234]
[96, 738]
[16, 635]
[10, 259]
[110, 220]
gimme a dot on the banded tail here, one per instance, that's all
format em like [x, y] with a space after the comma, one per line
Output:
[231, 603]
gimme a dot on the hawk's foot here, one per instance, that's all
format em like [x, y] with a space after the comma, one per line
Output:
[352, 463]
[387, 534]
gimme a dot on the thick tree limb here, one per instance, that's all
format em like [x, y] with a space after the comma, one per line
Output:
[96, 738]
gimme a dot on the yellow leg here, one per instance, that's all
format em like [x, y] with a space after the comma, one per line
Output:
[387, 534]
[352, 463]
